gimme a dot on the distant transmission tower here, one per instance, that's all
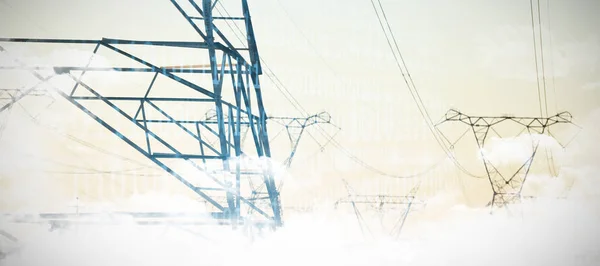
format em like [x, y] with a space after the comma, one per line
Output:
[295, 127]
[240, 65]
[8, 97]
[12, 94]
[506, 188]
[380, 203]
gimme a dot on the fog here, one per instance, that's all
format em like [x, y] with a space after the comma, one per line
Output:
[558, 227]
[544, 231]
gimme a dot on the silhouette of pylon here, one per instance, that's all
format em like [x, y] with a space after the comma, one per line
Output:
[296, 126]
[506, 188]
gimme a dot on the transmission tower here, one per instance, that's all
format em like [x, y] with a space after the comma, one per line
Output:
[364, 228]
[227, 62]
[295, 127]
[8, 97]
[377, 202]
[12, 94]
[382, 204]
[506, 188]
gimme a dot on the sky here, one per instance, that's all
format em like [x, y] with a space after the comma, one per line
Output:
[332, 56]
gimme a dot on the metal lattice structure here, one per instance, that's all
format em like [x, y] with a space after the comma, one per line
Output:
[377, 201]
[506, 189]
[8, 97]
[295, 127]
[382, 204]
[240, 66]
[13, 94]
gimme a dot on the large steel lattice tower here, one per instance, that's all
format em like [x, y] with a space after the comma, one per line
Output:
[242, 183]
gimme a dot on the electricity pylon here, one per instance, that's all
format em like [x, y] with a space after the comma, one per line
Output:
[506, 188]
[227, 62]
[382, 203]
[8, 97]
[296, 126]
[377, 202]
[12, 94]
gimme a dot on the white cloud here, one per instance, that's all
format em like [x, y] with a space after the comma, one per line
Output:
[501, 151]
[553, 232]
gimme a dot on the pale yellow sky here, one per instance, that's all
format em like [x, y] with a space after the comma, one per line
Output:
[331, 55]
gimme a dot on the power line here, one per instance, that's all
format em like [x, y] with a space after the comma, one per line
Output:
[82, 142]
[88, 170]
[537, 72]
[290, 97]
[544, 105]
[552, 56]
[542, 56]
[411, 85]
[549, 154]
[306, 38]
[69, 136]
[296, 104]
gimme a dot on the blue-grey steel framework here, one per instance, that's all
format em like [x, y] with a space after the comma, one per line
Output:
[245, 78]
[506, 189]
